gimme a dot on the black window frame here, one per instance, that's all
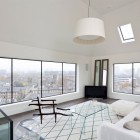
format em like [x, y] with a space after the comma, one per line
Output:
[41, 61]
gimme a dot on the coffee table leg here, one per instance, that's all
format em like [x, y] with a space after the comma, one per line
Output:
[71, 121]
[83, 124]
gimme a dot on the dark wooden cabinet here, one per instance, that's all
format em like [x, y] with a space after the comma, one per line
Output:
[96, 92]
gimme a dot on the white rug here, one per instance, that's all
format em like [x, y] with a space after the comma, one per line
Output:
[65, 129]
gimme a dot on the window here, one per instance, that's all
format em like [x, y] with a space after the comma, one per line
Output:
[126, 33]
[127, 78]
[26, 79]
[69, 78]
[5, 81]
[136, 78]
[51, 79]
[22, 80]
[123, 78]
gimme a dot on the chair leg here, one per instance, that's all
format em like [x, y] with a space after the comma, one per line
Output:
[55, 117]
[41, 118]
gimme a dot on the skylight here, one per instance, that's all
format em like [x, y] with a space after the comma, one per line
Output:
[126, 33]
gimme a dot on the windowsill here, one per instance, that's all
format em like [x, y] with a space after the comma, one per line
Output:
[128, 94]
[26, 102]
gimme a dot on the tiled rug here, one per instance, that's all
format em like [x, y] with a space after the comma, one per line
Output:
[71, 128]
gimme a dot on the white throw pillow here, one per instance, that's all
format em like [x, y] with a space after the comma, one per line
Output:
[123, 107]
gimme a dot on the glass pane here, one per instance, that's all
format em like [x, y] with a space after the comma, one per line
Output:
[26, 79]
[69, 81]
[51, 79]
[4, 131]
[136, 78]
[123, 78]
[127, 31]
[6, 127]
[5, 81]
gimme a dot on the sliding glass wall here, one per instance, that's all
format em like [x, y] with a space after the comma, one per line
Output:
[22, 80]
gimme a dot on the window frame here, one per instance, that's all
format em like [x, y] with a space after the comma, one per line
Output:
[132, 78]
[41, 61]
[42, 77]
[127, 40]
[75, 76]
[11, 78]
[12, 72]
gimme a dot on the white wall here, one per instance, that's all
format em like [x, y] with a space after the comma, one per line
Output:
[118, 58]
[20, 51]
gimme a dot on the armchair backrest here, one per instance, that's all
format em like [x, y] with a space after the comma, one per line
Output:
[41, 105]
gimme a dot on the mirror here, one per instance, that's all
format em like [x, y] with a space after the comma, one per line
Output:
[97, 70]
[105, 72]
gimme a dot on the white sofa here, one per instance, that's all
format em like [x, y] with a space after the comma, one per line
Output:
[109, 131]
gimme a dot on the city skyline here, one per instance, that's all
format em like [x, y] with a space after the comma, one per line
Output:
[26, 80]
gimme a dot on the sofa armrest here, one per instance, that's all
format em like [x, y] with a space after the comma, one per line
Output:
[108, 131]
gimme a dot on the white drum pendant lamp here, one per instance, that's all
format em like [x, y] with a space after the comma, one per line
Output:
[89, 30]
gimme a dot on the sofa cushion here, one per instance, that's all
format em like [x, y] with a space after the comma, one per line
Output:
[123, 107]
[133, 125]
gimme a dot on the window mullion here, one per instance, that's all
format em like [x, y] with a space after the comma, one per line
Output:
[132, 77]
[75, 76]
[41, 80]
[62, 78]
[11, 80]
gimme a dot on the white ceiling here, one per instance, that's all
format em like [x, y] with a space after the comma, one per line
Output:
[49, 24]
[106, 6]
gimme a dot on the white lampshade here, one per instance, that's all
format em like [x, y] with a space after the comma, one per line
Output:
[89, 31]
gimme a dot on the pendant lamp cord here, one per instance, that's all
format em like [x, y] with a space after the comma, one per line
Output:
[88, 8]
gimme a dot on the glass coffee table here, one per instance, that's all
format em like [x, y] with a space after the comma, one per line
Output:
[87, 109]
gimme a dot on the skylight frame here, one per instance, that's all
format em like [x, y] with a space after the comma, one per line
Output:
[122, 32]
